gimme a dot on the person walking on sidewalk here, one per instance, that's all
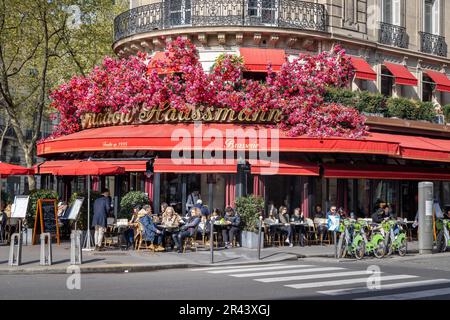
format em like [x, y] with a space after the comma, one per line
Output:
[102, 206]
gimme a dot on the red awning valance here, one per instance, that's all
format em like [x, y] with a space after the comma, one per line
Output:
[284, 168]
[385, 172]
[52, 167]
[257, 60]
[401, 74]
[194, 166]
[363, 70]
[441, 80]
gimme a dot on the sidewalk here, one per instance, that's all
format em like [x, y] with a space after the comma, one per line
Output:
[116, 261]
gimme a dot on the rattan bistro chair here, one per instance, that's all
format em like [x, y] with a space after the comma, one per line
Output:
[139, 241]
[191, 240]
[311, 232]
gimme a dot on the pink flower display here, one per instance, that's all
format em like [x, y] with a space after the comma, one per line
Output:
[179, 81]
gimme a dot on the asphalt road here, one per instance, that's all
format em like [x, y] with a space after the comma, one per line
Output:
[400, 278]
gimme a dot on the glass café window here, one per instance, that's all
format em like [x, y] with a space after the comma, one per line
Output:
[180, 12]
[392, 12]
[387, 82]
[431, 16]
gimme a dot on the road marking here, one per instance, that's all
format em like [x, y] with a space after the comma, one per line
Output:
[313, 276]
[384, 287]
[236, 267]
[278, 272]
[253, 269]
[345, 282]
[411, 295]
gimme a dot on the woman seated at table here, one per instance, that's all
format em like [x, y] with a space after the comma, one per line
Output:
[298, 217]
[188, 229]
[204, 227]
[150, 231]
[232, 229]
[286, 228]
[171, 219]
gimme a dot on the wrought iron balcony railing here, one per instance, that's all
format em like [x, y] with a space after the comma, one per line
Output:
[433, 44]
[169, 14]
[393, 35]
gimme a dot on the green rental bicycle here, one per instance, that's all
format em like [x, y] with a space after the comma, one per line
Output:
[351, 241]
[375, 242]
[443, 237]
[395, 237]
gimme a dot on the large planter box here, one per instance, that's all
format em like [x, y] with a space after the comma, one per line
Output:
[250, 240]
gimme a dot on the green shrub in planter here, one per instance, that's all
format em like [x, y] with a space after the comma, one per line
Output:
[371, 103]
[130, 200]
[446, 111]
[82, 218]
[342, 96]
[35, 195]
[402, 108]
[426, 111]
[249, 208]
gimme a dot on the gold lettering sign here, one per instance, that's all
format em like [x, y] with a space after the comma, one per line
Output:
[148, 115]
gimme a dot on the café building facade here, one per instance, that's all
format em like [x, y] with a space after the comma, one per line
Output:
[392, 53]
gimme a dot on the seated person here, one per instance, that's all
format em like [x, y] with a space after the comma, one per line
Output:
[298, 217]
[187, 230]
[379, 215]
[129, 233]
[216, 215]
[170, 218]
[204, 227]
[232, 222]
[286, 228]
[150, 231]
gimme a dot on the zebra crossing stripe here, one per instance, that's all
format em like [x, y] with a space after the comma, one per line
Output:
[345, 282]
[236, 267]
[279, 272]
[411, 295]
[313, 276]
[384, 287]
[253, 269]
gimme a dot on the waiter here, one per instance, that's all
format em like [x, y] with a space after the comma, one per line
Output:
[102, 206]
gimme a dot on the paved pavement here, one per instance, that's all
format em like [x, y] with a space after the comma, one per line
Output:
[310, 278]
[120, 261]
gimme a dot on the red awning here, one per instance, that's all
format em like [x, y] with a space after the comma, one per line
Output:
[52, 167]
[401, 74]
[363, 70]
[7, 169]
[284, 168]
[194, 166]
[441, 80]
[385, 172]
[159, 137]
[257, 60]
[93, 168]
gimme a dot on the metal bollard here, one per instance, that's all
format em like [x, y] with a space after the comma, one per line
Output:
[46, 257]
[76, 256]
[15, 250]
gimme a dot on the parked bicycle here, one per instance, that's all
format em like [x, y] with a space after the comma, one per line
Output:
[395, 237]
[374, 240]
[443, 237]
[351, 241]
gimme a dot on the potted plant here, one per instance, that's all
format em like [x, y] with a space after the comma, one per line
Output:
[250, 208]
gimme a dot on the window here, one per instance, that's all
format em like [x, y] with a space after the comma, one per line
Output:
[427, 90]
[387, 82]
[431, 16]
[180, 12]
[392, 12]
[265, 10]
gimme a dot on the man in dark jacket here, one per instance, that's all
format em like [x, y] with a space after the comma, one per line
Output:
[102, 206]
[187, 230]
[232, 229]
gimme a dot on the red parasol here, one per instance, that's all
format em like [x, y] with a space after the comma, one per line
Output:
[7, 169]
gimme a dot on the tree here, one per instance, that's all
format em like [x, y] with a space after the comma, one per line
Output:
[43, 43]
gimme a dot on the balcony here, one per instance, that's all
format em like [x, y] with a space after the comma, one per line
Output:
[164, 15]
[433, 44]
[393, 35]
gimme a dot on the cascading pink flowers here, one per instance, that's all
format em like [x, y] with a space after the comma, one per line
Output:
[180, 82]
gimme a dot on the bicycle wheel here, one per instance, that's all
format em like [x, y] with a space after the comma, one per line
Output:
[380, 250]
[360, 250]
[403, 248]
[341, 246]
[441, 244]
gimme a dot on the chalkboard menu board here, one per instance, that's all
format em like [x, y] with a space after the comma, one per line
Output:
[46, 219]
